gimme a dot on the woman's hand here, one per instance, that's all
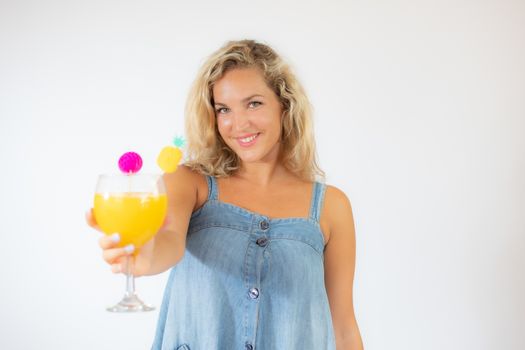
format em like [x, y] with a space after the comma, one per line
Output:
[115, 255]
[167, 247]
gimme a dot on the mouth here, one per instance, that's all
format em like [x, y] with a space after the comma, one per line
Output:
[247, 140]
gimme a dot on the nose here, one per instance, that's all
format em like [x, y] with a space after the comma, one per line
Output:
[241, 121]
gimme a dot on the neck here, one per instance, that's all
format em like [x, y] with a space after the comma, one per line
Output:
[262, 173]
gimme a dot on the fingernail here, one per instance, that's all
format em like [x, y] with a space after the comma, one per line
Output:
[129, 248]
[115, 237]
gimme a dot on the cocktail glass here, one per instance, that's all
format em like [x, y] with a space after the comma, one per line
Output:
[134, 206]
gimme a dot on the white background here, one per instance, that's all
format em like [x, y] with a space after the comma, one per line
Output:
[419, 115]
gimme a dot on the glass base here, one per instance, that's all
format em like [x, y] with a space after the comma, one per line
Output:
[130, 303]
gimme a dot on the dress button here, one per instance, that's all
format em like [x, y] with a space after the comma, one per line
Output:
[249, 346]
[253, 293]
[262, 242]
[264, 225]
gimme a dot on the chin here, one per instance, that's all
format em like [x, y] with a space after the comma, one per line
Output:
[249, 158]
[254, 156]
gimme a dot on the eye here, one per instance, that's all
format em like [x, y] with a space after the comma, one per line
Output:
[222, 110]
[254, 104]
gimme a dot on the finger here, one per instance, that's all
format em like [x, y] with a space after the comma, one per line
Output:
[120, 266]
[111, 255]
[116, 268]
[90, 219]
[106, 242]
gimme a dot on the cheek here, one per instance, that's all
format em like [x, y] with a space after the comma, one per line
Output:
[273, 124]
[223, 123]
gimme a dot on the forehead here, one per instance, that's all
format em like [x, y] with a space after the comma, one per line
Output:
[239, 83]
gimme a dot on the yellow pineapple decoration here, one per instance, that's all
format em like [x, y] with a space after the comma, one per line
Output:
[170, 156]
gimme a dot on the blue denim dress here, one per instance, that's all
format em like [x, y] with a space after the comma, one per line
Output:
[248, 282]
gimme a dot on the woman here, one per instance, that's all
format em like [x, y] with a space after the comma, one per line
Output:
[263, 256]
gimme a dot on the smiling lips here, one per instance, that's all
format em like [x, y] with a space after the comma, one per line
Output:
[248, 140]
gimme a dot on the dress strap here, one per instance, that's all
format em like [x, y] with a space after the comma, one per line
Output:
[213, 192]
[317, 201]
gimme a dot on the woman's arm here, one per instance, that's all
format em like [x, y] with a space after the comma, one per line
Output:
[167, 247]
[339, 268]
[183, 198]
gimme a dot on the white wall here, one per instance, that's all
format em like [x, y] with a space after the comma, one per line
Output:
[420, 111]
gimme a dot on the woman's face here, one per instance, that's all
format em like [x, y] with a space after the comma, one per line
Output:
[248, 115]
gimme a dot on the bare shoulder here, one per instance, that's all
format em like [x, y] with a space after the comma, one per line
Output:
[183, 176]
[336, 198]
[337, 211]
[186, 183]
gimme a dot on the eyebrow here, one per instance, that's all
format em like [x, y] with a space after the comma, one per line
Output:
[243, 100]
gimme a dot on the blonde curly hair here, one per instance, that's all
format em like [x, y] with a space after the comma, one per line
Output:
[208, 153]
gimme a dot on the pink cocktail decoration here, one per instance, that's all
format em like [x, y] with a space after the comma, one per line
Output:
[130, 163]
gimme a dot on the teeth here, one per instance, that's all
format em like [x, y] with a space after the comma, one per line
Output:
[248, 139]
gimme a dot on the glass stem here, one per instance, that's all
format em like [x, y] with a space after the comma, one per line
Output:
[130, 279]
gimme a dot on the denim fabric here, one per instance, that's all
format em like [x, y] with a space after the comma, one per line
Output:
[248, 282]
